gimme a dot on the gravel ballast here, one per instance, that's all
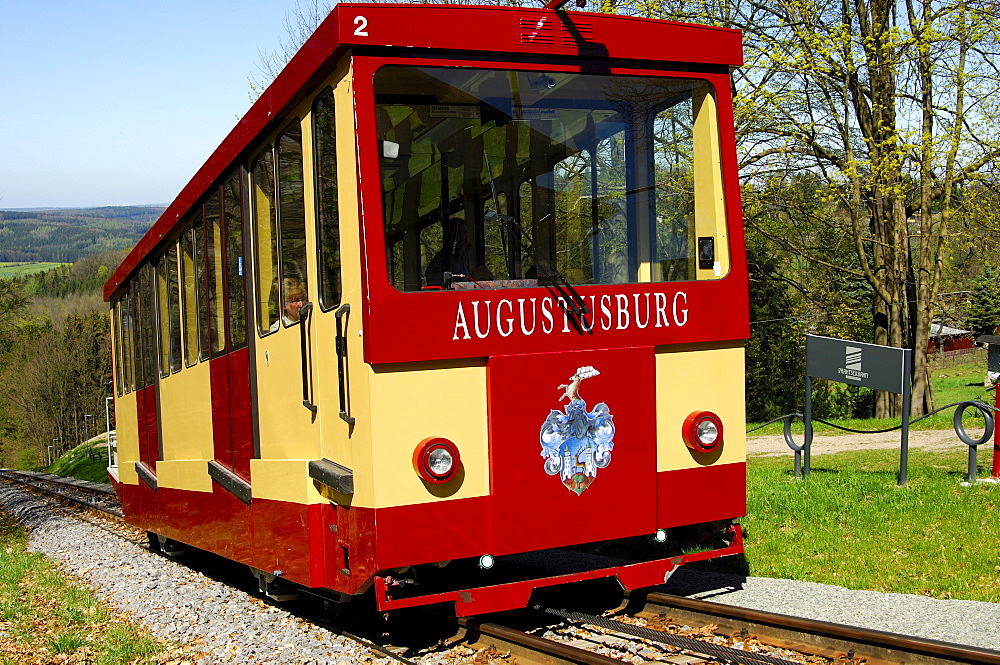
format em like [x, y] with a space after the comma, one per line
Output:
[225, 625]
[214, 622]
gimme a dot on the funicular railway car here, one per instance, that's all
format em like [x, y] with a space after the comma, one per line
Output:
[465, 283]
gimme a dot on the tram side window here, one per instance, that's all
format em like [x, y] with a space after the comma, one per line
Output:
[233, 208]
[216, 324]
[325, 151]
[291, 224]
[128, 341]
[174, 307]
[116, 340]
[147, 342]
[266, 234]
[201, 273]
[190, 290]
[163, 315]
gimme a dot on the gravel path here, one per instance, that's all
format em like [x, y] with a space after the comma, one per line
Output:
[219, 623]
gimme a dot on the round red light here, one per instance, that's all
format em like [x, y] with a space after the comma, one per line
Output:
[702, 431]
[436, 460]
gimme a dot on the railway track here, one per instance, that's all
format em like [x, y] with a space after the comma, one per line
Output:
[97, 496]
[657, 627]
[648, 627]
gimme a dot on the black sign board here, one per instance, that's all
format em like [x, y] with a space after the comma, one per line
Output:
[857, 363]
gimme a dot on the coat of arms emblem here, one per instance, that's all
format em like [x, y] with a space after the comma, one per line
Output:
[576, 442]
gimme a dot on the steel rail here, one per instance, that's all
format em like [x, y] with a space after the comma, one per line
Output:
[722, 653]
[34, 480]
[821, 638]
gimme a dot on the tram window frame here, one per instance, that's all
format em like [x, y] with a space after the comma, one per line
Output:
[174, 307]
[327, 204]
[201, 275]
[283, 255]
[267, 317]
[190, 293]
[116, 329]
[215, 274]
[636, 240]
[147, 338]
[128, 348]
[286, 254]
[162, 320]
[235, 276]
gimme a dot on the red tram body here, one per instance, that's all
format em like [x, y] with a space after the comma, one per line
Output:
[464, 283]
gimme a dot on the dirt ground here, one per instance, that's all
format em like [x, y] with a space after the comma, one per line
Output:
[825, 444]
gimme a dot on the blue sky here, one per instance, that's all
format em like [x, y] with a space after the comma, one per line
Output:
[118, 103]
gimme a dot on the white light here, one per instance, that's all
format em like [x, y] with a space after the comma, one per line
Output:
[440, 461]
[708, 432]
[661, 536]
[390, 149]
[486, 561]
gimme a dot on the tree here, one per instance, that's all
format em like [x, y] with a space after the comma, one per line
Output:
[983, 311]
[891, 104]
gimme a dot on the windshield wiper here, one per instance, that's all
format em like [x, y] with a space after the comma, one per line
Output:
[572, 302]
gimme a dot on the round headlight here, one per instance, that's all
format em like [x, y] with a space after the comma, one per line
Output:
[702, 431]
[436, 460]
[440, 461]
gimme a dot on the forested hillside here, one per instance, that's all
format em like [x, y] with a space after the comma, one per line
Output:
[54, 358]
[65, 235]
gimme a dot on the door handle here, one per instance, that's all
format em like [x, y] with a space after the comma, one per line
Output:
[306, 366]
[341, 348]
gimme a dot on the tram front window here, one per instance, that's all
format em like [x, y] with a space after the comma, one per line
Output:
[497, 178]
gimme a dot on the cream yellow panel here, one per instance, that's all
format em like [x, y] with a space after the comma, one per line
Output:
[408, 413]
[709, 201]
[186, 415]
[693, 378]
[284, 480]
[187, 474]
[288, 430]
[127, 424]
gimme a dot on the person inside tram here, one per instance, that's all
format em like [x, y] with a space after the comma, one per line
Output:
[293, 297]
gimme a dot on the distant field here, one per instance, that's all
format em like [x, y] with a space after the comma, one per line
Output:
[11, 269]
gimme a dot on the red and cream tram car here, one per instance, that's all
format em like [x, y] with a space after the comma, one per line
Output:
[464, 283]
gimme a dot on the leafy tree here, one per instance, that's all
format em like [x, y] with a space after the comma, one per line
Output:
[983, 311]
[775, 350]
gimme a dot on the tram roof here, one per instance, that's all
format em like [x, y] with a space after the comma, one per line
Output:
[460, 28]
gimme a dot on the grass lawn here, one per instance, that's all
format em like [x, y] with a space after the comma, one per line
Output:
[849, 524]
[81, 464]
[45, 618]
[9, 270]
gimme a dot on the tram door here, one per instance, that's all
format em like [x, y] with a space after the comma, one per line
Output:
[336, 192]
[230, 365]
[146, 382]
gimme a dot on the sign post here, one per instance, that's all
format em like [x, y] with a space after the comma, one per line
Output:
[859, 364]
